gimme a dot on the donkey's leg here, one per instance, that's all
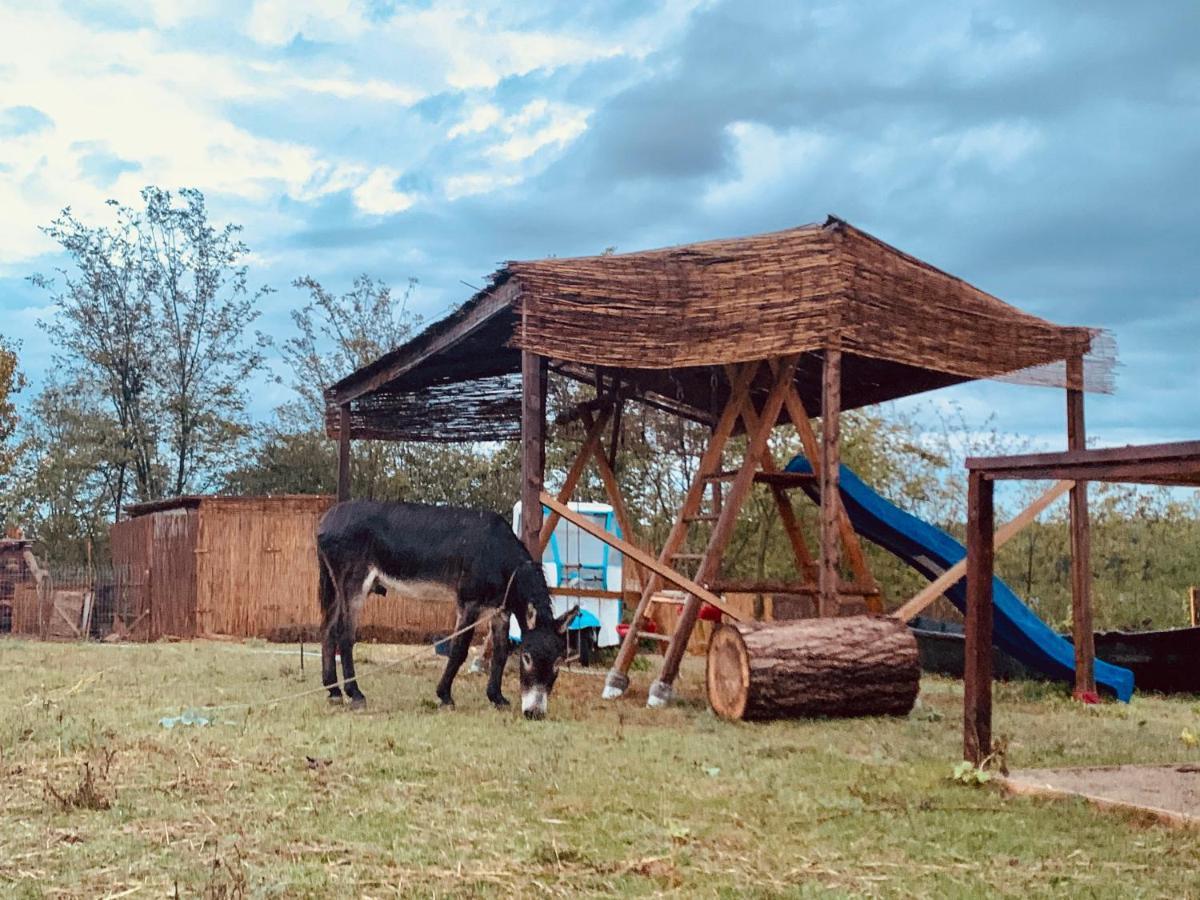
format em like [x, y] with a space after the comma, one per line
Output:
[357, 698]
[329, 665]
[330, 622]
[354, 588]
[499, 637]
[459, 646]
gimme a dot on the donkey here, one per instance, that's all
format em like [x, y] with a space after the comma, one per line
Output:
[366, 546]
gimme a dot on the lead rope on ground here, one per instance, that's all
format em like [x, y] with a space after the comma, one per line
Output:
[382, 668]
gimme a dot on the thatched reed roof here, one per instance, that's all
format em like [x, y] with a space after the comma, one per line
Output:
[669, 319]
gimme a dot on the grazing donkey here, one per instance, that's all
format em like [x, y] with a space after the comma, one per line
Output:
[365, 546]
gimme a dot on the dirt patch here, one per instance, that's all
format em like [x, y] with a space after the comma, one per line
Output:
[1173, 790]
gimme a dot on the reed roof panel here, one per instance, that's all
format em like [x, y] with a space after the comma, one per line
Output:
[662, 316]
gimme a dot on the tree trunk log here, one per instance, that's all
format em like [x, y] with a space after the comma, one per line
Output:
[853, 666]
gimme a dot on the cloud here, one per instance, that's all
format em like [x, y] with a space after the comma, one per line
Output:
[378, 196]
[1040, 152]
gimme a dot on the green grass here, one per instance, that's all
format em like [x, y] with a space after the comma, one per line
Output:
[600, 798]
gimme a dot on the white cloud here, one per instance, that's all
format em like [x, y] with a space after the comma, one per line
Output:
[481, 117]
[765, 159]
[473, 183]
[276, 22]
[377, 195]
[537, 125]
[161, 110]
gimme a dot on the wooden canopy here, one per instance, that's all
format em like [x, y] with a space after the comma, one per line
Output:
[662, 321]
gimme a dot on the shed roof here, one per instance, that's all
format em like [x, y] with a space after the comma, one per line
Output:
[193, 501]
[665, 318]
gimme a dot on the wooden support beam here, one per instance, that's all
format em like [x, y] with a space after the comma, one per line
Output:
[533, 447]
[831, 497]
[593, 593]
[710, 461]
[851, 545]
[343, 469]
[787, 515]
[664, 572]
[612, 489]
[590, 439]
[710, 565]
[1004, 533]
[1081, 544]
[977, 669]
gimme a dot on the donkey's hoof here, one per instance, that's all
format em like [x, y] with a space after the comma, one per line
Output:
[334, 701]
[500, 702]
[446, 705]
[358, 703]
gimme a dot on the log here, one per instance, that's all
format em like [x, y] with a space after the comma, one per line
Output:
[852, 666]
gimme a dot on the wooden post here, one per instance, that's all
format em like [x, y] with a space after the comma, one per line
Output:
[831, 405]
[1194, 605]
[1081, 544]
[977, 669]
[343, 470]
[533, 448]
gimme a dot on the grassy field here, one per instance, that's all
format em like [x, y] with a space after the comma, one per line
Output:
[97, 798]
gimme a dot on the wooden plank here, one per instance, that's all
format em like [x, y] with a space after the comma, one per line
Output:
[1081, 545]
[594, 593]
[663, 571]
[578, 466]
[85, 622]
[710, 566]
[947, 579]
[343, 469]
[739, 384]
[831, 497]
[977, 665]
[851, 544]
[1179, 460]
[533, 447]
[612, 489]
[419, 350]
[772, 586]
[783, 503]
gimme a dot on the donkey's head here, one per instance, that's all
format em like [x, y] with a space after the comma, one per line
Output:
[543, 647]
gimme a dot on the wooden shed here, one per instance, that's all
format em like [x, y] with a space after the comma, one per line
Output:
[244, 567]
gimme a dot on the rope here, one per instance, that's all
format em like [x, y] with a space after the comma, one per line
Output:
[383, 668]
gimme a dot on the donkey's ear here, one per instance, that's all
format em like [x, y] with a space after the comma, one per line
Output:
[530, 618]
[564, 621]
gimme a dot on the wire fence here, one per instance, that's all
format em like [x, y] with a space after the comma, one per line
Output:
[69, 603]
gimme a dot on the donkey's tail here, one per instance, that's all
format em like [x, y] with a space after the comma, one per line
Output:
[332, 601]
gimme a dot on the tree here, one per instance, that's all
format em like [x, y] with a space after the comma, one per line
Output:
[152, 314]
[11, 383]
[335, 335]
[65, 479]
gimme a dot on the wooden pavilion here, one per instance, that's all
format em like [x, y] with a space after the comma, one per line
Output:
[740, 335]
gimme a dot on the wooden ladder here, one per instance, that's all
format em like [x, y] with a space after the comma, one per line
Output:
[757, 465]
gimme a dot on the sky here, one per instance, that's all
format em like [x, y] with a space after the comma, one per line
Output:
[1047, 153]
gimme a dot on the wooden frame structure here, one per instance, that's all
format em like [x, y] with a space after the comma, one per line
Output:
[1176, 465]
[741, 336]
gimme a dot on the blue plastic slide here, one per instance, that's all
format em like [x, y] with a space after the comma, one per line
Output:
[929, 550]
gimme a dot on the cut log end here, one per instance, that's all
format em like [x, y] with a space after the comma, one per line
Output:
[852, 666]
[728, 673]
